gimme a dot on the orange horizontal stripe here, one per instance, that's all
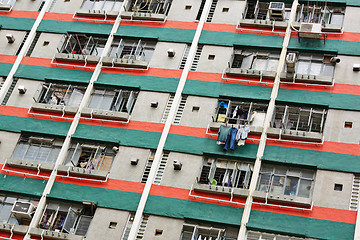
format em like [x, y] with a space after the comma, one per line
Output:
[7, 58]
[20, 14]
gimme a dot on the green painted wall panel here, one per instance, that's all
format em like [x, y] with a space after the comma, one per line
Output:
[301, 226]
[22, 185]
[18, 124]
[147, 83]
[214, 89]
[126, 137]
[102, 197]
[40, 73]
[14, 23]
[161, 34]
[5, 68]
[52, 26]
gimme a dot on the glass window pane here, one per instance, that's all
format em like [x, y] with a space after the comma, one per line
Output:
[304, 188]
[264, 182]
[95, 101]
[20, 150]
[75, 98]
[87, 4]
[315, 68]
[337, 18]
[117, 6]
[260, 64]
[328, 70]
[278, 185]
[54, 154]
[291, 186]
[272, 65]
[5, 212]
[43, 154]
[106, 102]
[98, 5]
[32, 152]
[108, 5]
[302, 67]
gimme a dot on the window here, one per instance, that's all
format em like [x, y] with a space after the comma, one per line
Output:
[237, 112]
[194, 231]
[260, 11]
[132, 49]
[93, 157]
[106, 5]
[59, 94]
[314, 64]
[316, 12]
[6, 204]
[338, 187]
[251, 235]
[37, 149]
[299, 118]
[226, 173]
[81, 44]
[282, 180]
[67, 218]
[150, 6]
[113, 100]
[255, 60]
[348, 125]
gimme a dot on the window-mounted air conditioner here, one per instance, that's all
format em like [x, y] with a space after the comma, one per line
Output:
[290, 62]
[22, 210]
[277, 11]
[310, 30]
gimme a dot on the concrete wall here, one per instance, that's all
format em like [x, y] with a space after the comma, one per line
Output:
[184, 178]
[171, 228]
[10, 48]
[351, 20]
[232, 16]
[199, 118]
[67, 6]
[179, 13]
[324, 194]
[160, 57]
[344, 70]
[222, 56]
[99, 226]
[334, 126]
[26, 5]
[121, 167]
[144, 112]
[23, 100]
[8, 141]
[46, 51]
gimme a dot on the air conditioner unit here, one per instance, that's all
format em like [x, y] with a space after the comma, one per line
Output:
[290, 62]
[310, 30]
[22, 210]
[277, 11]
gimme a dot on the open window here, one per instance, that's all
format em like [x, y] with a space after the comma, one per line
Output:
[286, 184]
[129, 53]
[68, 218]
[239, 111]
[80, 48]
[111, 104]
[252, 235]
[88, 160]
[206, 231]
[147, 10]
[100, 8]
[62, 98]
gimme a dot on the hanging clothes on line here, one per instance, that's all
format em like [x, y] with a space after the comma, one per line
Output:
[242, 135]
[223, 133]
[231, 139]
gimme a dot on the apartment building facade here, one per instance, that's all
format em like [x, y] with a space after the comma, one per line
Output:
[112, 113]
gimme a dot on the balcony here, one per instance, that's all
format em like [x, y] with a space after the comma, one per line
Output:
[106, 9]
[147, 10]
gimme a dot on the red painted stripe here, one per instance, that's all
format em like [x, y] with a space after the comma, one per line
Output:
[20, 14]
[334, 147]
[4, 234]
[217, 77]
[7, 58]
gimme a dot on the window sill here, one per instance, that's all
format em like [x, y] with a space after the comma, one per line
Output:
[82, 172]
[305, 78]
[263, 23]
[53, 234]
[28, 164]
[297, 135]
[301, 201]
[143, 16]
[97, 113]
[324, 29]
[220, 190]
[21, 229]
[76, 58]
[214, 126]
[124, 62]
[54, 108]
[96, 13]
[249, 73]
